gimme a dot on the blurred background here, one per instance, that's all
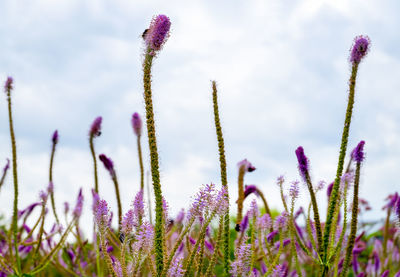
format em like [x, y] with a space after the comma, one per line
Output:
[282, 71]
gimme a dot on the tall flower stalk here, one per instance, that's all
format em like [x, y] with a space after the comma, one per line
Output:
[358, 52]
[54, 140]
[244, 166]
[304, 172]
[358, 156]
[137, 129]
[95, 131]
[224, 181]
[109, 165]
[155, 37]
[8, 87]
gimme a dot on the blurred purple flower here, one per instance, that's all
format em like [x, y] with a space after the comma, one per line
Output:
[385, 273]
[102, 215]
[303, 162]
[249, 189]
[8, 85]
[95, 128]
[244, 224]
[137, 124]
[54, 138]
[294, 190]
[329, 190]
[247, 166]
[176, 269]
[6, 167]
[138, 207]
[127, 222]
[79, 205]
[358, 152]
[108, 164]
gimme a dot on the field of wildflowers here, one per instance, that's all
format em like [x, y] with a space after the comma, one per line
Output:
[205, 239]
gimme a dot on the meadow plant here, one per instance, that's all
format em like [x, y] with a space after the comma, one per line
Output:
[205, 239]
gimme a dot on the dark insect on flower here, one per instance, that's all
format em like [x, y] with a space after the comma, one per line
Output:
[145, 33]
[122, 237]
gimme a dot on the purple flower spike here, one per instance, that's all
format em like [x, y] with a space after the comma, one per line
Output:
[303, 162]
[249, 189]
[128, 222]
[294, 190]
[359, 49]
[244, 224]
[101, 214]
[385, 274]
[271, 235]
[79, 204]
[138, 206]
[8, 85]
[158, 32]
[329, 190]
[108, 164]
[95, 128]
[248, 167]
[397, 208]
[137, 124]
[66, 207]
[54, 138]
[358, 152]
[5, 169]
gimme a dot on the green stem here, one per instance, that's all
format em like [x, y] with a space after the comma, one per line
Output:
[343, 148]
[118, 201]
[189, 262]
[141, 171]
[53, 150]
[240, 198]
[316, 214]
[149, 198]
[213, 259]
[15, 178]
[292, 230]
[267, 210]
[151, 132]
[96, 182]
[222, 162]
[140, 163]
[353, 226]
[176, 246]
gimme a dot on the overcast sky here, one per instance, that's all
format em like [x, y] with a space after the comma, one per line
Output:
[282, 71]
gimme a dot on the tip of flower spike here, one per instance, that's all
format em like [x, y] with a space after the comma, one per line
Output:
[158, 32]
[246, 165]
[108, 163]
[303, 161]
[294, 190]
[6, 167]
[137, 124]
[95, 128]
[8, 85]
[359, 49]
[249, 189]
[54, 138]
[358, 152]
[79, 205]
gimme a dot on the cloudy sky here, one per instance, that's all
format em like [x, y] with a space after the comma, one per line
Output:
[282, 71]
